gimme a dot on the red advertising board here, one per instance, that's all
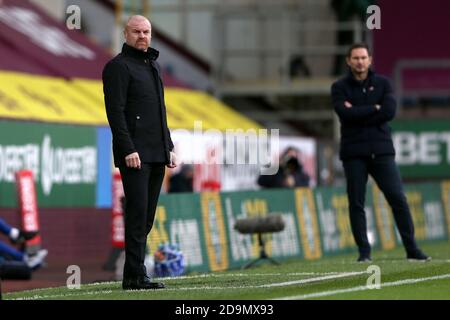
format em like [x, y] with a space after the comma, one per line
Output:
[118, 229]
[28, 210]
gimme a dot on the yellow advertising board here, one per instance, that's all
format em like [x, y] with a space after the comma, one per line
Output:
[48, 99]
[80, 101]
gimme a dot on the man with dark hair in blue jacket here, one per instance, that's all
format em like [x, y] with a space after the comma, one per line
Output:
[364, 103]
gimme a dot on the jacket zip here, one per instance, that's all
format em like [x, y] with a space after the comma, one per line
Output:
[368, 132]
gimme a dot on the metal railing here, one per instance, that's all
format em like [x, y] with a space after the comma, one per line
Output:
[310, 41]
[418, 64]
[305, 29]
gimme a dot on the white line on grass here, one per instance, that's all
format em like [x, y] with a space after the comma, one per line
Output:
[385, 259]
[62, 295]
[269, 285]
[212, 275]
[275, 284]
[308, 280]
[205, 275]
[61, 287]
[361, 288]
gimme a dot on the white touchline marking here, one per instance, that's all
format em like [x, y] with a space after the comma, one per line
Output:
[61, 287]
[361, 288]
[308, 280]
[54, 296]
[270, 285]
[206, 275]
[276, 284]
[382, 261]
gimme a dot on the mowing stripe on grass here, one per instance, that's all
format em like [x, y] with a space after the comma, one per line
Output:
[381, 260]
[213, 275]
[275, 284]
[206, 275]
[269, 285]
[62, 295]
[308, 280]
[362, 288]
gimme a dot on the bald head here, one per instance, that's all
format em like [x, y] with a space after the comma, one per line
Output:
[138, 32]
[136, 19]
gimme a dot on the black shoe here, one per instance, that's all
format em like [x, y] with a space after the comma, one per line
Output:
[143, 283]
[24, 236]
[417, 256]
[364, 258]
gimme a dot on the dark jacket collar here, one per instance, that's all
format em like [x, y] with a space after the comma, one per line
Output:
[151, 54]
[351, 77]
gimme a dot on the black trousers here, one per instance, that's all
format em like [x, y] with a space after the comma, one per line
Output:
[142, 188]
[387, 176]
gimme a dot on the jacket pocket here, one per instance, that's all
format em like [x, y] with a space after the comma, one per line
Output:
[133, 124]
[137, 125]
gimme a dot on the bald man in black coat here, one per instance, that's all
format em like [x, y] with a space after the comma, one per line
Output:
[142, 146]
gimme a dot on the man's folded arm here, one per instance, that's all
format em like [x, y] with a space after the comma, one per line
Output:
[353, 115]
[388, 107]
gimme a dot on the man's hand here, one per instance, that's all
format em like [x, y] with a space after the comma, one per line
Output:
[289, 181]
[347, 104]
[173, 160]
[133, 161]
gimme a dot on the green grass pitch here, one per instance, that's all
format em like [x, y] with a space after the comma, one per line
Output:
[338, 277]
